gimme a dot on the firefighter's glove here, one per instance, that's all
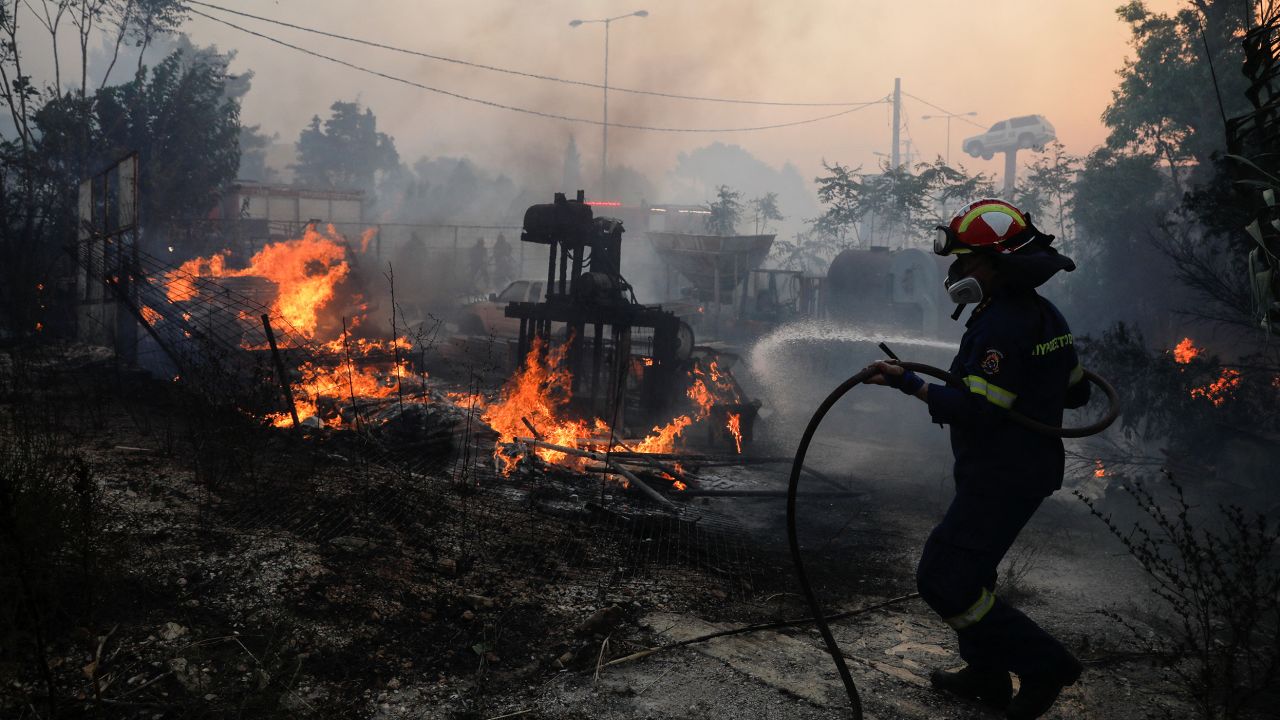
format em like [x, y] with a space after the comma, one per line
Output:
[908, 382]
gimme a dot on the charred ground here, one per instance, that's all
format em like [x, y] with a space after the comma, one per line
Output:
[197, 564]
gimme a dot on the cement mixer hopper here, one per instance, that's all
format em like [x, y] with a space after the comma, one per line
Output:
[708, 260]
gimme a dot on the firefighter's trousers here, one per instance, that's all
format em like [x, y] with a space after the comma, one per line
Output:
[957, 578]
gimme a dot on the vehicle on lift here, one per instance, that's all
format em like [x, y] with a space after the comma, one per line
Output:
[1026, 131]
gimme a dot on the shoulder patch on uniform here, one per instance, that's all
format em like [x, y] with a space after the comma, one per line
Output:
[991, 361]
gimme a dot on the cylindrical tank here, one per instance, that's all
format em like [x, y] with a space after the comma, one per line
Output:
[880, 287]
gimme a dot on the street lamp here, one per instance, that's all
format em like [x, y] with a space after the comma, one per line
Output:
[948, 117]
[604, 144]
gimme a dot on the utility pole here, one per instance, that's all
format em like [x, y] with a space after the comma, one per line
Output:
[604, 142]
[604, 139]
[897, 121]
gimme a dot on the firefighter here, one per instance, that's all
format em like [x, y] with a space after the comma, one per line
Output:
[1016, 354]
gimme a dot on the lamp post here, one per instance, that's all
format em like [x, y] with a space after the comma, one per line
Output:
[948, 117]
[604, 144]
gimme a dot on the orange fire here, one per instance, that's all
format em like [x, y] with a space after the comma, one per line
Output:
[710, 387]
[1185, 352]
[325, 389]
[1099, 470]
[735, 428]
[1218, 391]
[662, 439]
[306, 271]
[467, 401]
[539, 393]
[151, 316]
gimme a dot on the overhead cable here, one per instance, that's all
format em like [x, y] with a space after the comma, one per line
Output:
[519, 73]
[530, 111]
[942, 109]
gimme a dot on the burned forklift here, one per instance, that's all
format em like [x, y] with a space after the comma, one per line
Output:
[630, 362]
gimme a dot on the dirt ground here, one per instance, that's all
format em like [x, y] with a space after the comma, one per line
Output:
[248, 572]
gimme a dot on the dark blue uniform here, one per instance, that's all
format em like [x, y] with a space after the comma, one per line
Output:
[1017, 353]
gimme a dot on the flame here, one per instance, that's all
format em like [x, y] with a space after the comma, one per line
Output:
[151, 316]
[468, 401]
[306, 271]
[735, 428]
[663, 438]
[710, 387]
[539, 393]
[325, 388]
[1099, 470]
[1185, 352]
[1218, 391]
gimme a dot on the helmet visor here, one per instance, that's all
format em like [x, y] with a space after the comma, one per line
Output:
[943, 240]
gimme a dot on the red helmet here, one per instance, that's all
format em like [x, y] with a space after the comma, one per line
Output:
[987, 224]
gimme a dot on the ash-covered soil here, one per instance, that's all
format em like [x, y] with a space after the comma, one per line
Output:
[242, 571]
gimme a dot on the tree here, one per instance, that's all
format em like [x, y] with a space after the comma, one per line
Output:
[892, 204]
[253, 154]
[346, 151]
[1167, 103]
[1161, 158]
[725, 212]
[803, 251]
[179, 118]
[1046, 190]
[185, 130]
[763, 210]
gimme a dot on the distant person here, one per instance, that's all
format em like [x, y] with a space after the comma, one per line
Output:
[480, 266]
[1016, 354]
[504, 268]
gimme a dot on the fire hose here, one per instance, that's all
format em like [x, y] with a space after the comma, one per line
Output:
[798, 464]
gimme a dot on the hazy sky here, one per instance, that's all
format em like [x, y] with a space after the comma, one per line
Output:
[997, 57]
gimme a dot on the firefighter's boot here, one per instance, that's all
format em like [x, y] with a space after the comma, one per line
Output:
[991, 687]
[1037, 694]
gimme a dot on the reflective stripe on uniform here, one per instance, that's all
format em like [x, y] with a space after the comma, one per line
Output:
[1077, 374]
[994, 394]
[976, 612]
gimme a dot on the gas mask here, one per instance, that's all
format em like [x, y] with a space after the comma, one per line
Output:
[964, 290]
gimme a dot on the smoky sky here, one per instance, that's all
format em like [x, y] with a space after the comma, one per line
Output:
[998, 58]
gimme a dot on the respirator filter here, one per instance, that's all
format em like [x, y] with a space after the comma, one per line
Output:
[965, 291]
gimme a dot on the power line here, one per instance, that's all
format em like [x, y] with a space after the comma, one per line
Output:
[519, 73]
[958, 116]
[530, 111]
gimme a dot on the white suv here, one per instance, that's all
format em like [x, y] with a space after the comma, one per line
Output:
[1027, 131]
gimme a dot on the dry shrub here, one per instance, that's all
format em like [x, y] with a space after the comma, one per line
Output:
[1217, 587]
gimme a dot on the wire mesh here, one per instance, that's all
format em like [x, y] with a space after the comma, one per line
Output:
[361, 483]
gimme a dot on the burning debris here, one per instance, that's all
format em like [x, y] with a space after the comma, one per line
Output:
[563, 404]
